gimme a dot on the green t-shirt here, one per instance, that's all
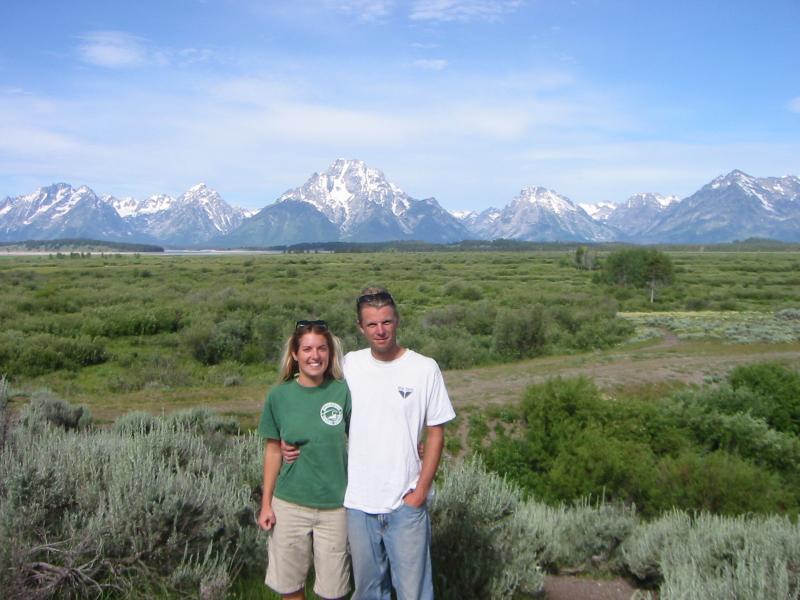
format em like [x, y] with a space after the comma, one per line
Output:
[316, 419]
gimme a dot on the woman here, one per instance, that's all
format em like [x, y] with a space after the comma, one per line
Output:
[302, 501]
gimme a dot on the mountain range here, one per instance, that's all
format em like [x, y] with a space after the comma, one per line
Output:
[354, 202]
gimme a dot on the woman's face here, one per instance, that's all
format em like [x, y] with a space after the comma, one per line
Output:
[312, 358]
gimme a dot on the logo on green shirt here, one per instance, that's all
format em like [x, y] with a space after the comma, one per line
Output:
[331, 413]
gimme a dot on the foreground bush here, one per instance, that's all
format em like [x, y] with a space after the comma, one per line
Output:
[166, 507]
[710, 557]
[130, 514]
[581, 537]
[480, 549]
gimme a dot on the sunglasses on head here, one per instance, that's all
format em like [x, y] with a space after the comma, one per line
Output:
[377, 297]
[305, 323]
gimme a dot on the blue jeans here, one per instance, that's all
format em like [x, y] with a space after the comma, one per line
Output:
[392, 549]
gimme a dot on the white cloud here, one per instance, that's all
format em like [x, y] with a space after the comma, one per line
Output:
[432, 64]
[189, 56]
[461, 10]
[113, 49]
[364, 10]
[255, 136]
[122, 50]
[794, 104]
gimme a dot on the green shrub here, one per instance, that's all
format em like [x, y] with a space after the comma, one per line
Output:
[697, 304]
[520, 333]
[601, 332]
[583, 536]
[212, 343]
[716, 557]
[4, 393]
[42, 353]
[739, 433]
[453, 349]
[5, 419]
[268, 339]
[156, 370]
[788, 314]
[131, 514]
[569, 442]
[47, 409]
[643, 550]
[136, 422]
[479, 548]
[719, 483]
[457, 289]
[639, 268]
[778, 387]
[596, 465]
[201, 420]
[115, 323]
[557, 409]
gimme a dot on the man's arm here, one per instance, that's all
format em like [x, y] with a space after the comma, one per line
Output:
[289, 452]
[434, 443]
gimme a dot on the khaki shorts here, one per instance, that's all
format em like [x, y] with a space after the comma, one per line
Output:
[298, 533]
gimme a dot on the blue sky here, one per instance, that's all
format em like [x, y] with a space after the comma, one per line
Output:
[464, 100]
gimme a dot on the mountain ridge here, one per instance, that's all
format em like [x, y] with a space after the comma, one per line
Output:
[353, 202]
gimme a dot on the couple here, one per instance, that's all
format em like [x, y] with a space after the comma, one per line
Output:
[394, 393]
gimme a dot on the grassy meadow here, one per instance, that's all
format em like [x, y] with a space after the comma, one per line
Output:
[123, 332]
[622, 430]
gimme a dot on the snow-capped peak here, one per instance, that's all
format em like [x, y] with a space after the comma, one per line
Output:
[735, 177]
[598, 211]
[650, 198]
[346, 188]
[547, 199]
[155, 203]
[749, 185]
[200, 194]
[463, 214]
[125, 207]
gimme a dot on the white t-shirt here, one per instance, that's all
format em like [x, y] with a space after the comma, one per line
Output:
[392, 403]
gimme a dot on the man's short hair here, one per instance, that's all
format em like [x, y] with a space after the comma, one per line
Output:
[375, 297]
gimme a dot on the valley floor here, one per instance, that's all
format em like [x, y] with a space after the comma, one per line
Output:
[648, 367]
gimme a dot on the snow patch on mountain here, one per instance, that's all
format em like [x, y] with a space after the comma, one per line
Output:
[364, 205]
[598, 211]
[548, 200]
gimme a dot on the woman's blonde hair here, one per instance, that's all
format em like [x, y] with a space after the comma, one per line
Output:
[289, 367]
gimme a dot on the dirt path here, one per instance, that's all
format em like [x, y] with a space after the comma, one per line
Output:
[579, 588]
[668, 360]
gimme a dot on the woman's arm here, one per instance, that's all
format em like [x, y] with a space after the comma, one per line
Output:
[272, 464]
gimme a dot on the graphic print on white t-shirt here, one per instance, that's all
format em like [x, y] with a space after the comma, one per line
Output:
[405, 392]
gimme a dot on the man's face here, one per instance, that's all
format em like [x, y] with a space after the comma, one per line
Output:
[379, 326]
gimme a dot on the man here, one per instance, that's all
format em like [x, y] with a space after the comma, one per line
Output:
[396, 393]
